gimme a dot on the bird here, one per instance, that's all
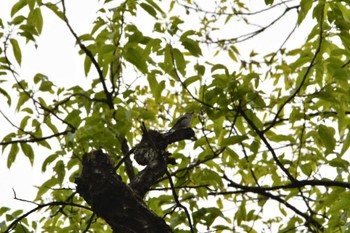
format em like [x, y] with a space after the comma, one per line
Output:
[183, 122]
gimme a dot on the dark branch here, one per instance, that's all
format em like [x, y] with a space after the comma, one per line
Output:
[178, 203]
[40, 206]
[32, 140]
[264, 192]
[92, 58]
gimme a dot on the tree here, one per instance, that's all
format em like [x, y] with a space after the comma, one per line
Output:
[270, 129]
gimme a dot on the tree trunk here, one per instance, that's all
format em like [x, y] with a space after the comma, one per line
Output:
[119, 204]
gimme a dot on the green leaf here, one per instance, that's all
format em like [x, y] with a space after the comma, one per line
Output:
[149, 9]
[37, 18]
[233, 140]
[12, 155]
[232, 55]
[28, 152]
[46, 86]
[179, 61]
[190, 80]
[48, 161]
[18, 20]
[307, 168]
[156, 88]
[39, 77]
[189, 44]
[60, 171]
[338, 162]
[16, 51]
[326, 135]
[346, 144]
[345, 11]
[44, 144]
[51, 126]
[47, 185]
[342, 204]
[155, 6]
[3, 210]
[54, 8]
[174, 27]
[269, 2]
[305, 6]
[207, 176]
[24, 122]
[87, 65]
[168, 61]
[8, 97]
[135, 56]
[18, 6]
[23, 97]
[192, 46]
[219, 67]
[73, 118]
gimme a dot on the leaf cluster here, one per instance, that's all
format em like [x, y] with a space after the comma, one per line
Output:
[272, 127]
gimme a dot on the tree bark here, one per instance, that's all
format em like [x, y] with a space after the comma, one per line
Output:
[119, 204]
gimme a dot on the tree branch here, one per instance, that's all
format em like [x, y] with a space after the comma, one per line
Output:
[92, 58]
[266, 142]
[308, 70]
[40, 206]
[178, 203]
[36, 139]
[265, 193]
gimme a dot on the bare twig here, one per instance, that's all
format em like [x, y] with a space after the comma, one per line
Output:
[250, 35]
[126, 156]
[178, 203]
[184, 85]
[239, 13]
[92, 58]
[89, 223]
[40, 206]
[264, 192]
[35, 139]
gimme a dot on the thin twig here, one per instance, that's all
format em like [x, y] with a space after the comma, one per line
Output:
[184, 85]
[233, 13]
[91, 56]
[266, 142]
[89, 223]
[178, 203]
[308, 70]
[263, 192]
[35, 139]
[126, 156]
[40, 206]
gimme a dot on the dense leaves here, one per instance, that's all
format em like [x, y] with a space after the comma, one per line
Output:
[271, 119]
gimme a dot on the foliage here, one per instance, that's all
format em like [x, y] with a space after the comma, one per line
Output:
[272, 126]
